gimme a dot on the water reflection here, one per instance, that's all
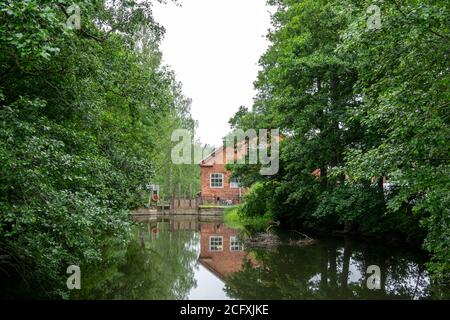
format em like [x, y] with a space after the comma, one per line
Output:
[192, 258]
[158, 265]
[331, 269]
[221, 250]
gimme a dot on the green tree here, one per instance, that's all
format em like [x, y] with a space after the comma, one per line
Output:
[362, 105]
[403, 79]
[81, 112]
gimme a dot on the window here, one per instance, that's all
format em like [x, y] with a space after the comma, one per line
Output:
[234, 183]
[215, 243]
[216, 180]
[235, 245]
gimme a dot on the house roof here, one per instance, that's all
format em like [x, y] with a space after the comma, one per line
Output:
[219, 151]
[205, 263]
[242, 143]
[211, 155]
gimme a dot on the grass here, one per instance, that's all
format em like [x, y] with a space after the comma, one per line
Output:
[231, 218]
[234, 220]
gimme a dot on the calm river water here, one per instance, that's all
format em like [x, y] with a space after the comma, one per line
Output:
[182, 257]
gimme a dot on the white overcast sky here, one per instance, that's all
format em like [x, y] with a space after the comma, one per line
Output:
[214, 47]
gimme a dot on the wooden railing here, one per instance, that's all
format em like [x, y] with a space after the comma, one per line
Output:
[226, 201]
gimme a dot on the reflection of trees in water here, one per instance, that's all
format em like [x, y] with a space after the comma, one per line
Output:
[331, 270]
[154, 266]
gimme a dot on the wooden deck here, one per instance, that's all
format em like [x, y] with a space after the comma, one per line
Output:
[183, 206]
[202, 211]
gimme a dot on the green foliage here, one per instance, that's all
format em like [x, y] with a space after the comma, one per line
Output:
[405, 112]
[231, 217]
[359, 105]
[237, 219]
[256, 211]
[348, 203]
[82, 113]
[256, 201]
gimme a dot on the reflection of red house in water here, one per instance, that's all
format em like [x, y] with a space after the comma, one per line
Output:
[221, 252]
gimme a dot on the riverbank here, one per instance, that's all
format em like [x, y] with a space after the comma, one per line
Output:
[236, 221]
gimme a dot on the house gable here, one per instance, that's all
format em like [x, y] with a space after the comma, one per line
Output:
[215, 164]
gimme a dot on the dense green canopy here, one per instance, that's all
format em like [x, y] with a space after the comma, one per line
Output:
[360, 104]
[84, 116]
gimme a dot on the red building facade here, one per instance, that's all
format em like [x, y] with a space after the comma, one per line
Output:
[217, 186]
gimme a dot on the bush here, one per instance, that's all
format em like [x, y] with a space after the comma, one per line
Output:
[256, 201]
[236, 218]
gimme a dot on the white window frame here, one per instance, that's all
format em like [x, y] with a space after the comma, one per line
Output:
[234, 184]
[234, 239]
[210, 180]
[210, 247]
